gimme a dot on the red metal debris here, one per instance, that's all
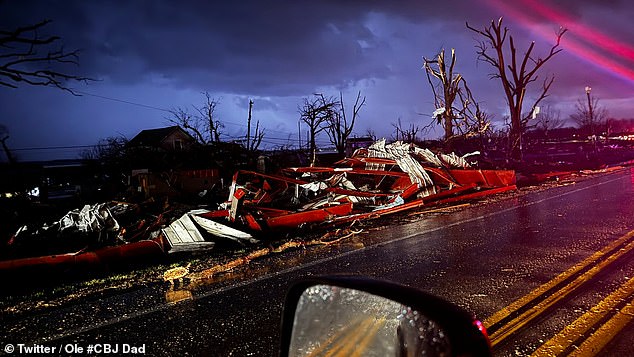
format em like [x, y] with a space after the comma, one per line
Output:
[381, 180]
[101, 258]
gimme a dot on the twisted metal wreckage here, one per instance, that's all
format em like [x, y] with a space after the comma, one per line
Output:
[380, 180]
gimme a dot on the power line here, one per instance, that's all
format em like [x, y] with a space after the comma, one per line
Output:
[123, 101]
[266, 139]
[57, 147]
[161, 109]
[269, 139]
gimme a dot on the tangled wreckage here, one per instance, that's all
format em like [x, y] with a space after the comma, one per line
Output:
[380, 180]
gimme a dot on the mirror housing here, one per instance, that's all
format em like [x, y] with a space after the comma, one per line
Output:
[461, 334]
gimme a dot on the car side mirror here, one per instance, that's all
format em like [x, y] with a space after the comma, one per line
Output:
[345, 316]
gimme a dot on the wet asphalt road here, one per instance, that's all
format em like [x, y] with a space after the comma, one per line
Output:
[482, 258]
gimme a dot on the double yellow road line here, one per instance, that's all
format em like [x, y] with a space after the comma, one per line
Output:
[606, 313]
[352, 340]
[510, 319]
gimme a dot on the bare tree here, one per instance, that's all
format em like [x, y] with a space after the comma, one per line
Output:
[370, 133]
[182, 117]
[4, 136]
[548, 118]
[590, 115]
[408, 134]
[106, 149]
[26, 57]
[515, 76]
[207, 112]
[338, 127]
[315, 113]
[203, 125]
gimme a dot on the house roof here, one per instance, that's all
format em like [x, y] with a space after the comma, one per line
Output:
[154, 137]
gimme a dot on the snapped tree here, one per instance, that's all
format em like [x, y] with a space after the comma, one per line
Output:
[453, 100]
[338, 127]
[406, 134]
[516, 73]
[253, 141]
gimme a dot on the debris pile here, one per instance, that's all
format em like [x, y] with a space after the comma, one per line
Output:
[380, 180]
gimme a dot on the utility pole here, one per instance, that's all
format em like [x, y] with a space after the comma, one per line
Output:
[588, 89]
[591, 117]
[249, 125]
[299, 133]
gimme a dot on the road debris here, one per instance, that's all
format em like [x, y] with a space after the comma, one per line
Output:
[195, 278]
[380, 180]
[176, 274]
[383, 179]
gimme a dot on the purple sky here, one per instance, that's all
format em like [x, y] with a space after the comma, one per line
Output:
[150, 56]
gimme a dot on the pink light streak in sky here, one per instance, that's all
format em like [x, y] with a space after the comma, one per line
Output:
[586, 43]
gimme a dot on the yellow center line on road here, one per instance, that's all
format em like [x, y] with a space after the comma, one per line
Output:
[593, 345]
[356, 338]
[522, 319]
[361, 348]
[332, 344]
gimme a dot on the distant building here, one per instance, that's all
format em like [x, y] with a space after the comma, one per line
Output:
[168, 162]
[169, 138]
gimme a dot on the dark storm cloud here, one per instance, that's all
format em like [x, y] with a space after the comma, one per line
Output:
[165, 53]
[272, 47]
[245, 46]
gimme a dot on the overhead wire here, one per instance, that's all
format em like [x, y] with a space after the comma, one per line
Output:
[290, 139]
[163, 109]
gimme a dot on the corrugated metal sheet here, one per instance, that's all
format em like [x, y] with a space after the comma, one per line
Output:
[182, 235]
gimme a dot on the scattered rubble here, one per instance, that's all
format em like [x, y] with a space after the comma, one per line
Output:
[383, 179]
[200, 277]
[176, 274]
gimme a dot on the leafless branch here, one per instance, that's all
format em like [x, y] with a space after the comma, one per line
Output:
[338, 128]
[183, 118]
[409, 134]
[23, 60]
[516, 76]
[315, 113]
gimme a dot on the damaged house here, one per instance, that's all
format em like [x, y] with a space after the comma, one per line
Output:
[166, 164]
